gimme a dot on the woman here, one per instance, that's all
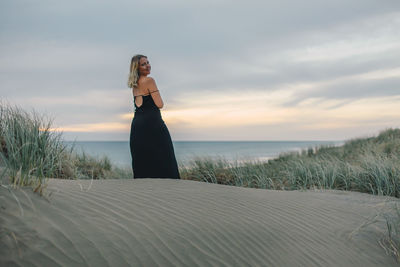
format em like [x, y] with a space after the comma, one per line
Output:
[151, 146]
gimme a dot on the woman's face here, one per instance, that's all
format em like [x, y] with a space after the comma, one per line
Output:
[144, 66]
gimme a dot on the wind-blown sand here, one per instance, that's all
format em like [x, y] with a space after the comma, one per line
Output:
[150, 222]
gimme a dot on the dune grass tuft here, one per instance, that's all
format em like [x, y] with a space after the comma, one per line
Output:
[391, 241]
[31, 151]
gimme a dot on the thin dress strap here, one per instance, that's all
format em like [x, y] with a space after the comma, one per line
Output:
[148, 94]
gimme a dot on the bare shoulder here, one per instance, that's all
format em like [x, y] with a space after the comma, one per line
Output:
[149, 80]
[150, 84]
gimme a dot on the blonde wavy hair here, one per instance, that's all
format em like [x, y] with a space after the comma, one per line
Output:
[134, 71]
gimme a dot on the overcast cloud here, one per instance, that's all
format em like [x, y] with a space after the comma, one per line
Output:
[213, 61]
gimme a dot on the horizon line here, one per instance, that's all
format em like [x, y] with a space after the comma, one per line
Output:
[213, 140]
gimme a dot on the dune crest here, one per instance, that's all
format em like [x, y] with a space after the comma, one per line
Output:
[162, 222]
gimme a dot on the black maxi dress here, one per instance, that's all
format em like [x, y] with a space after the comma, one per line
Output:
[151, 146]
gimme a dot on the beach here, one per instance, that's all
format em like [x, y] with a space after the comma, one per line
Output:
[165, 222]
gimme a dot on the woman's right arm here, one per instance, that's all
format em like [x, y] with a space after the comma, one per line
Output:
[155, 94]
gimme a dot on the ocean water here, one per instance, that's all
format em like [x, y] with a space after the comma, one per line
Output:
[185, 151]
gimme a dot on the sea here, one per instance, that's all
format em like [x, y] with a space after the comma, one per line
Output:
[187, 151]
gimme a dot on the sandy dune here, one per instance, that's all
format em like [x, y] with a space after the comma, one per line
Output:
[161, 222]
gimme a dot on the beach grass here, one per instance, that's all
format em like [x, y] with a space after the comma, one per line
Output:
[31, 151]
[369, 165]
[391, 241]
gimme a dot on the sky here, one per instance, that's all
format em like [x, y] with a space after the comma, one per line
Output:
[226, 70]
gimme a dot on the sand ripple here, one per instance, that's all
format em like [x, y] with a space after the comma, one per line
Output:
[161, 222]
